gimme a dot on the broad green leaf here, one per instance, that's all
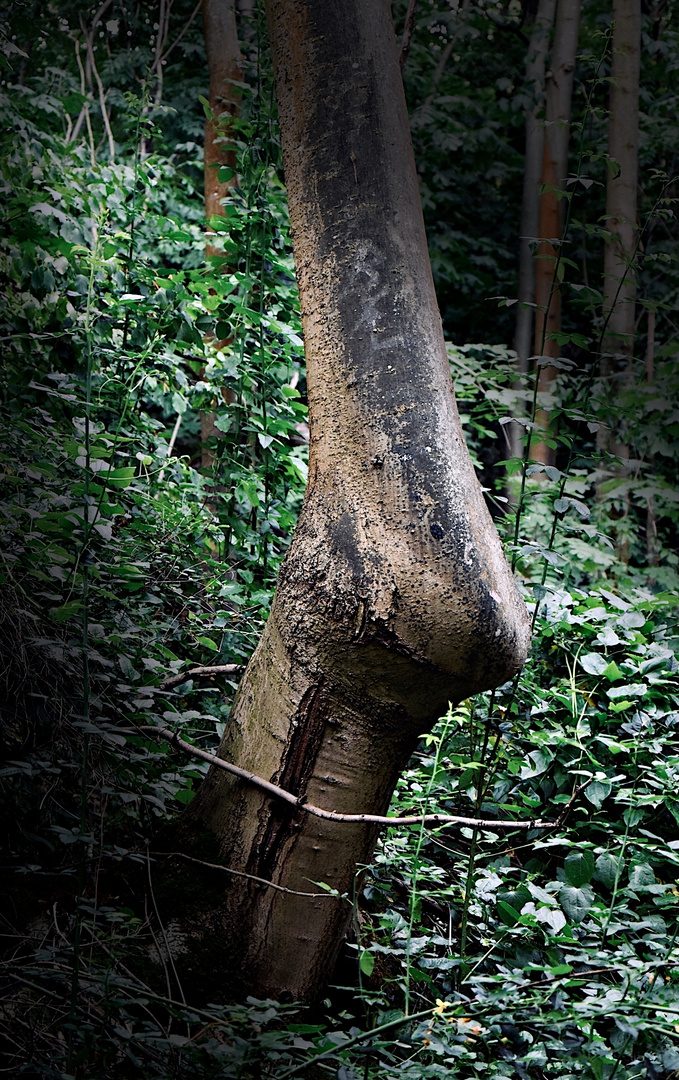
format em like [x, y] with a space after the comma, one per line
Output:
[66, 611]
[208, 643]
[627, 690]
[596, 792]
[576, 902]
[367, 962]
[508, 914]
[516, 898]
[612, 672]
[579, 867]
[641, 876]
[607, 868]
[593, 663]
[121, 477]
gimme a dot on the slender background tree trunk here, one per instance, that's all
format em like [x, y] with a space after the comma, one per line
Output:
[536, 56]
[395, 596]
[225, 71]
[559, 93]
[620, 285]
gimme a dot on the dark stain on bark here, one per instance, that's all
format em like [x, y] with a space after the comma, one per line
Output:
[300, 759]
[345, 540]
[305, 740]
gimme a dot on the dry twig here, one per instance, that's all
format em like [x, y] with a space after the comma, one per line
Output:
[353, 819]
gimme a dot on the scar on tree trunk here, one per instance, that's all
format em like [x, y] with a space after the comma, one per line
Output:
[395, 596]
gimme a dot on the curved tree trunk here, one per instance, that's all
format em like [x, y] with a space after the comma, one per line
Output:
[395, 596]
[554, 171]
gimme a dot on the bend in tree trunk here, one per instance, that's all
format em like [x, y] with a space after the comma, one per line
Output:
[395, 596]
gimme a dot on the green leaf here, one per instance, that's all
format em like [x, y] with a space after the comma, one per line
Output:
[579, 867]
[508, 914]
[66, 611]
[596, 792]
[641, 876]
[516, 898]
[608, 869]
[612, 672]
[367, 962]
[208, 643]
[121, 477]
[576, 902]
[593, 663]
[629, 689]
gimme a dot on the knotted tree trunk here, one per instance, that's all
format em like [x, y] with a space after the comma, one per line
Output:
[395, 597]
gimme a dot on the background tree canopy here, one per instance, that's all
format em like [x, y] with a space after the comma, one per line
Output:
[132, 555]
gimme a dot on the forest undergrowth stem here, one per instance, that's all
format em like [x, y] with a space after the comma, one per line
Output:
[415, 868]
[84, 559]
[481, 787]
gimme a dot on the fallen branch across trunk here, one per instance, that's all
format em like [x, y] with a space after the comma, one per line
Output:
[332, 815]
[212, 669]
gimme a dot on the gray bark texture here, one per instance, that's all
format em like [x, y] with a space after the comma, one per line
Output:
[395, 596]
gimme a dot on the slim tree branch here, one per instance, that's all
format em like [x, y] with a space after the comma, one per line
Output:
[212, 669]
[407, 33]
[241, 874]
[332, 815]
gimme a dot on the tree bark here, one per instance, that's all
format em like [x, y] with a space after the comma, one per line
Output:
[559, 94]
[224, 63]
[395, 596]
[620, 285]
[536, 56]
[621, 207]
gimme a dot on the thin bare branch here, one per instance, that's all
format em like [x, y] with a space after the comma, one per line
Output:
[211, 669]
[180, 35]
[407, 33]
[250, 877]
[331, 815]
[102, 101]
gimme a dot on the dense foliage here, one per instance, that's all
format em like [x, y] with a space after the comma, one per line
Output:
[130, 555]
